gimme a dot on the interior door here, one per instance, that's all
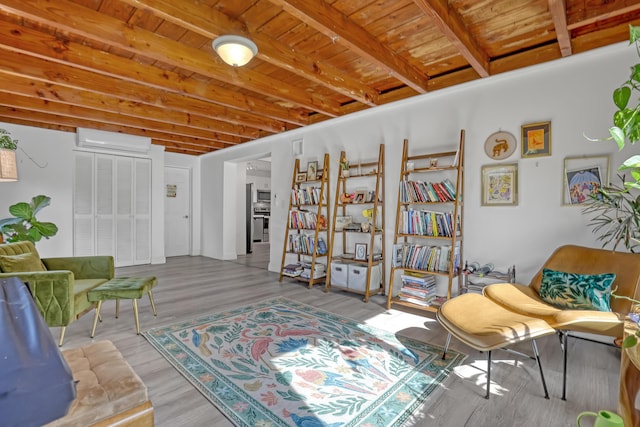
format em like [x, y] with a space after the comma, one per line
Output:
[177, 211]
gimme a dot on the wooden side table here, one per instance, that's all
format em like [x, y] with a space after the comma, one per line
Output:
[629, 380]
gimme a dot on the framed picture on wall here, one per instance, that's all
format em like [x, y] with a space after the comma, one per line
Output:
[536, 139]
[500, 185]
[301, 177]
[583, 176]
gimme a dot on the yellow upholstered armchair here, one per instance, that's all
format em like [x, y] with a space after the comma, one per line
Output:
[59, 285]
[541, 299]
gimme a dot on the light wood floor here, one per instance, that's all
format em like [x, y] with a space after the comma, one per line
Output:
[193, 286]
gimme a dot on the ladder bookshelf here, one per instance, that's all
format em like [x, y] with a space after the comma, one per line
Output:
[307, 239]
[361, 272]
[429, 232]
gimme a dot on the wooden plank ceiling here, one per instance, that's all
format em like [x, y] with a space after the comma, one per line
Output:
[146, 67]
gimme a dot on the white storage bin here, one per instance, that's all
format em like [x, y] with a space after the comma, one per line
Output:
[339, 274]
[358, 277]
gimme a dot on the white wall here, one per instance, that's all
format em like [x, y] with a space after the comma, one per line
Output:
[573, 93]
[53, 150]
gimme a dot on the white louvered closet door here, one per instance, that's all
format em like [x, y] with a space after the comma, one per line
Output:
[104, 205]
[142, 211]
[112, 215]
[83, 205]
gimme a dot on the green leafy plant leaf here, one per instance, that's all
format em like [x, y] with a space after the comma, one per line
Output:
[621, 97]
[24, 226]
[629, 341]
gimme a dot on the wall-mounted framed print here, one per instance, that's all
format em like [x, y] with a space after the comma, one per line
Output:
[360, 252]
[312, 169]
[536, 139]
[301, 177]
[500, 185]
[583, 176]
[500, 145]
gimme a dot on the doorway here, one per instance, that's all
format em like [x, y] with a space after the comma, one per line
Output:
[258, 199]
[177, 211]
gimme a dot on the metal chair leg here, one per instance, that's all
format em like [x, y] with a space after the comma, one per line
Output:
[96, 316]
[135, 315]
[544, 383]
[117, 307]
[153, 304]
[446, 347]
[565, 350]
[488, 374]
[62, 331]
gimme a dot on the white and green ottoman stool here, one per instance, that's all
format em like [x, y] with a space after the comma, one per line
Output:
[118, 288]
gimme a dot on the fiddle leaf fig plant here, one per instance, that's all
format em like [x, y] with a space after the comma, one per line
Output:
[24, 226]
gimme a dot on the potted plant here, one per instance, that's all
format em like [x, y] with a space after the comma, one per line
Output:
[6, 142]
[617, 208]
[617, 216]
[626, 120]
[24, 226]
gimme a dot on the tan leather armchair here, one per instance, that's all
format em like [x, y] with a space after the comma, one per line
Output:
[526, 300]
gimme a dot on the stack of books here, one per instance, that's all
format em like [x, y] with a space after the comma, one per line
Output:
[319, 271]
[418, 288]
[292, 270]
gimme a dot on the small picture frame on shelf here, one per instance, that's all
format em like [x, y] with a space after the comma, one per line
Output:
[301, 177]
[583, 176]
[312, 169]
[536, 139]
[500, 185]
[360, 252]
[359, 197]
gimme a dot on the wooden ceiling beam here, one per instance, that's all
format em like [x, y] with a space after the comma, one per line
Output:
[10, 98]
[593, 15]
[84, 22]
[210, 23]
[558, 10]
[454, 29]
[70, 124]
[340, 29]
[75, 78]
[35, 43]
[53, 92]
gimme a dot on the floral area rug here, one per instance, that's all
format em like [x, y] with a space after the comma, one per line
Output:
[283, 363]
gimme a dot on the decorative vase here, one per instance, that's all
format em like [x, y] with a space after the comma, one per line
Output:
[345, 173]
[603, 419]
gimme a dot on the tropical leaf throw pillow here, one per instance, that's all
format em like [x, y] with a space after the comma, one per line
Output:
[577, 291]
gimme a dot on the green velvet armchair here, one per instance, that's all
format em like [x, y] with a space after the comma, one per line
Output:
[59, 285]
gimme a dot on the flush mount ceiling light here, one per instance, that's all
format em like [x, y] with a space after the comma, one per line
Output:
[235, 50]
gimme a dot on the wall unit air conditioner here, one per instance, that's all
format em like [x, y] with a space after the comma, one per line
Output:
[98, 139]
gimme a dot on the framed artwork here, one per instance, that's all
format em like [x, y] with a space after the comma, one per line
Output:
[312, 170]
[583, 176]
[500, 185]
[536, 139]
[359, 197]
[360, 252]
[301, 177]
[500, 145]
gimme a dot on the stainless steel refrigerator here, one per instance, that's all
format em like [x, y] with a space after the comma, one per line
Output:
[249, 217]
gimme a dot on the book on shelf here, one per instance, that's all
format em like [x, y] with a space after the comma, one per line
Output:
[413, 300]
[292, 270]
